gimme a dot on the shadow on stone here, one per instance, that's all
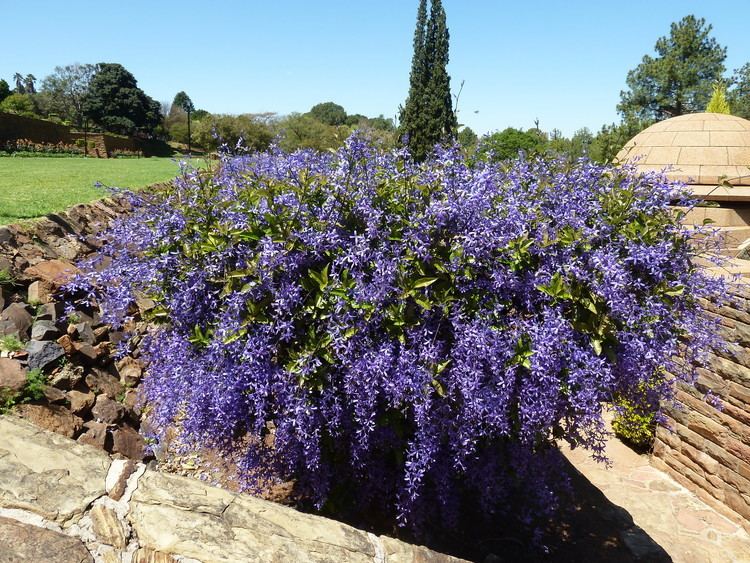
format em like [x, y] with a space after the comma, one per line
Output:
[588, 528]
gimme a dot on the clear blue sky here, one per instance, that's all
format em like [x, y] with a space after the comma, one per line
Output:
[563, 62]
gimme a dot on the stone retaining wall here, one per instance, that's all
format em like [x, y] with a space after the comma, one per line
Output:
[705, 449]
[66, 502]
[14, 127]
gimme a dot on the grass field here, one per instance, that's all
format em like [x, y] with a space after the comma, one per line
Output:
[32, 187]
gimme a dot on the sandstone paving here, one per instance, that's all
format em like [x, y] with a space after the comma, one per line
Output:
[685, 527]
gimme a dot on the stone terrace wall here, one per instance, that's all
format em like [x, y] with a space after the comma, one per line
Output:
[14, 127]
[37, 130]
[708, 450]
[69, 503]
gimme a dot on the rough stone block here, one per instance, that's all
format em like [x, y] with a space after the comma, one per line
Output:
[107, 526]
[54, 418]
[12, 376]
[47, 474]
[25, 542]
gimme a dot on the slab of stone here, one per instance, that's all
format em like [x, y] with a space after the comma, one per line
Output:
[180, 516]
[56, 272]
[17, 315]
[54, 418]
[108, 411]
[24, 542]
[41, 354]
[66, 376]
[117, 478]
[49, 311]
[44, 330]
[85, 333]
[145, 555]
[394, 551]
[40, 292]
[95, 435]
[12, 376]
[130, 371]
[54, 395]
[80, 403]
[48, 474]
[102, 382]
[107, 527]
[128, 442]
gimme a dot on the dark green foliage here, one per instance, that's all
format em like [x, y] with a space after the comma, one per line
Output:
[506, 144]
[576, 147]
[214, 130]
[35, 382]
[305, 132]
[329, 113]
[4, 89]
[117, 104]
[427, 117]
[200, 114]
[679, 79]
[739, 95]
[183, 102]
[355, 119]
[467, 139]
[611, 138]
[22, 104]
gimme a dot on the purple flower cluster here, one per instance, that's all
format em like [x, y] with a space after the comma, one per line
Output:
[412, 334]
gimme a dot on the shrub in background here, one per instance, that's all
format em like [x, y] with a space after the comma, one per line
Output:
[417, 335]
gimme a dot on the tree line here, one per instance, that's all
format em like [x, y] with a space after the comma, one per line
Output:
[106, 97]
[686, 69]
[685, 75]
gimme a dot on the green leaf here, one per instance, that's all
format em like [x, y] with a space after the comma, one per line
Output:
[441, 367]
[675, 291]
[438, 387]
[424, 282]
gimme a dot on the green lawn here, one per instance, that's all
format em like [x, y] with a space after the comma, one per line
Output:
[32, 187]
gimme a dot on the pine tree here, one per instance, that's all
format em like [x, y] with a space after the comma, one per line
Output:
[427, 117]
[718, 102]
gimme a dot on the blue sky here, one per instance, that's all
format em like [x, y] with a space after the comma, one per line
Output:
[563, 62]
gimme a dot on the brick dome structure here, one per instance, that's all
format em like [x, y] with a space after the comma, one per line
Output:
[702, 149]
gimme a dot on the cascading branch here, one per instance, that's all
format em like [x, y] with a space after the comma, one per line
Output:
[414, 333]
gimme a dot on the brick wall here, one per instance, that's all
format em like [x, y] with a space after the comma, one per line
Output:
[708, 450]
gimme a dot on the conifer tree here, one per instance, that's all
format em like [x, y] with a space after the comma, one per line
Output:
[427, 117]
[718, 102]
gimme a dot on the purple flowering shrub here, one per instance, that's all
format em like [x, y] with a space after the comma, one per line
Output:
[415, 335]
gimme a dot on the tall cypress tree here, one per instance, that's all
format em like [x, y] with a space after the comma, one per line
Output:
[427, 117]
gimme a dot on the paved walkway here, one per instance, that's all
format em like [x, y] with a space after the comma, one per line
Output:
[684, 526]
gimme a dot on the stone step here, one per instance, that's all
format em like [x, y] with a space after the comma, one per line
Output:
[721, 216]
